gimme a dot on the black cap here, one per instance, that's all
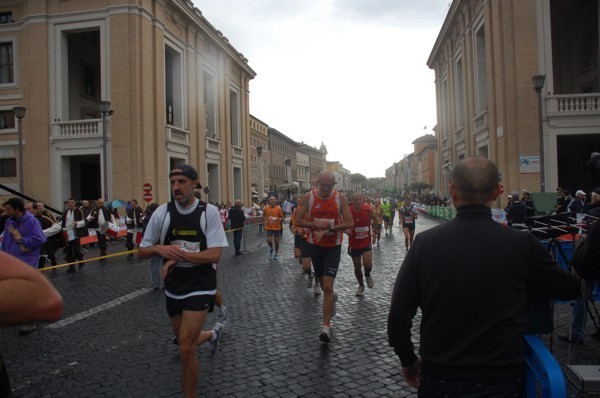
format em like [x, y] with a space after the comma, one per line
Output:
[185, 170]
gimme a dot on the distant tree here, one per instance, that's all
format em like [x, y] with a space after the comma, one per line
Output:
[358, 179]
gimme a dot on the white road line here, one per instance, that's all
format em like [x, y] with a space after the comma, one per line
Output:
[100, 308]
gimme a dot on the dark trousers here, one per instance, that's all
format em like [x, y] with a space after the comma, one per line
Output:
[73, 252]
[237, 240]
[101, 243]
[432, 387]
[129, 243]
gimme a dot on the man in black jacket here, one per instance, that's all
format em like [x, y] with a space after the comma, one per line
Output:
[237, 219]
[472, 293]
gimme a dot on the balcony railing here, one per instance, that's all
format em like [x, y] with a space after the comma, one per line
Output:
[480, 121]
[573, 103]
[213, 144]
[175, 134]
[238, 152]
[87, 128]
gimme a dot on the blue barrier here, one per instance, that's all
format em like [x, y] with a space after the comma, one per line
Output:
[542, 368]
[567, 250]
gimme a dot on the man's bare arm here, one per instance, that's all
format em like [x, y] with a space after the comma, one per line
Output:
[25, 294]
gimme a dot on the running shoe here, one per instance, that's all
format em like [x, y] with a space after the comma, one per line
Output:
[276, 257]
[222, 316]
[334, 308]
[317, 290]
[309, 280]
[325, 335]
[213, 346]
[360, 291]
[270, 253]
[370, 282]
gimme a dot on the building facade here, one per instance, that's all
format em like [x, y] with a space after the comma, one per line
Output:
[178, 92]
[260, 159]
[283, 162]
[485, 58]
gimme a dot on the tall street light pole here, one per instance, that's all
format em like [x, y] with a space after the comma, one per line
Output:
[538, 84]
[105, 111]
[261, 183]
[19, 112]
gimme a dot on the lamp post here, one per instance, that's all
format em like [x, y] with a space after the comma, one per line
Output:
[261, 183]
[105, 111]
[538, 84]
[19, 112]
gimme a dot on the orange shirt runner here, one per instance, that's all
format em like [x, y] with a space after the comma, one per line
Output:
[273, 217]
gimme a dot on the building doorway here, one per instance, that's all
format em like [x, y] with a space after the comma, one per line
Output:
[573, 152]
[85, 177]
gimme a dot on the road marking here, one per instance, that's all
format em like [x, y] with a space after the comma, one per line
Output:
[100, 308]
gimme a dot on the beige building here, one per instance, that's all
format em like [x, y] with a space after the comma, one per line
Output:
[342, 176]
[283, 162]
[260, 158]
[484, 60]
[178, 89]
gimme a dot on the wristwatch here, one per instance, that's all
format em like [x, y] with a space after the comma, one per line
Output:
[331, 228]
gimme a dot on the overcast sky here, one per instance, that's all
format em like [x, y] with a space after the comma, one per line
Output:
[349, 73]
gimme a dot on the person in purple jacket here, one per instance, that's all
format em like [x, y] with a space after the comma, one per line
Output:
[23, 238]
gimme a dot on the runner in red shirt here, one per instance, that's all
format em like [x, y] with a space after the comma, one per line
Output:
[325, 213]
[359, 242]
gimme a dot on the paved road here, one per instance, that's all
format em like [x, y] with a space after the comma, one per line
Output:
[115, 339]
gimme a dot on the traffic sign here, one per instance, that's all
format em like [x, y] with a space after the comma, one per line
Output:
[148, 196]
[147, 187]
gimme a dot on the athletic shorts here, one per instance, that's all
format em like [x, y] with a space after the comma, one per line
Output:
[358, 252]
[273, 232]
[205, 302]
[386, 218]
[300, 243]
[325, 260]
[410, 226]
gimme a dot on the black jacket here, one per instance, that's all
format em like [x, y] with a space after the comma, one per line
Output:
[472, 277]
[236, 217]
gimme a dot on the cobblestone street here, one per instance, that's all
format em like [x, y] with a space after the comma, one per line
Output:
[115, 340]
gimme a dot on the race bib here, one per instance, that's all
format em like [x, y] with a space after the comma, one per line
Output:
[409, 220]
[361, 233]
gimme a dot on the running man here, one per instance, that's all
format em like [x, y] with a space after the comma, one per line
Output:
[326, 214]
[377, 221]
[301, 253]
[188, 235]
[408, 216]
[273, 217]
[385, 208]
[359, 242]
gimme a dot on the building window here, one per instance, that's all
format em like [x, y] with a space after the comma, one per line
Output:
[234, 118]
[8, 167]
[174, 85]
[7, 120]
[6, 63]
[480, 70]
[6, 17]
[89, 82]
[210, 108]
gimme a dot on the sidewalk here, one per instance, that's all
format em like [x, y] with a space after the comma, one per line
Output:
[115, 340]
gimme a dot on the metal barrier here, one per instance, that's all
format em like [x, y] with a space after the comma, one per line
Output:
[253, 231]
[542, 368]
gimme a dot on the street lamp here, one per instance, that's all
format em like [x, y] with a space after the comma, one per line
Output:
[105, 111]
[19, 112]
[538, 84]
[261, 183]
